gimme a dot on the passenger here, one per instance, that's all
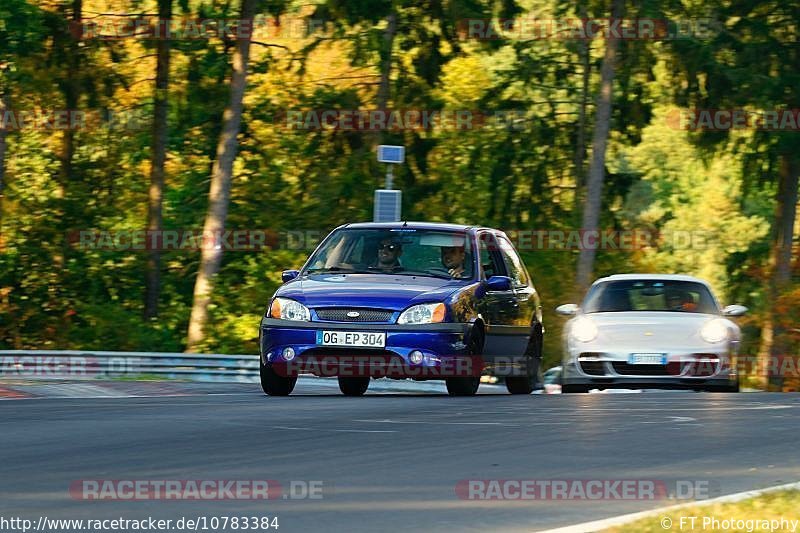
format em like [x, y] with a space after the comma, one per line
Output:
[453, 260]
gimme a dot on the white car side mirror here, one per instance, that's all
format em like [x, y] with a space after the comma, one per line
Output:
[567, 309]
[734, 310]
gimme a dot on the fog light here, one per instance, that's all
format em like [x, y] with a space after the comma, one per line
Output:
[288, 354]
[415, 357]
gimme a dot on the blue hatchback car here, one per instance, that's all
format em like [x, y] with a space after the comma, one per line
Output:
[405, 300]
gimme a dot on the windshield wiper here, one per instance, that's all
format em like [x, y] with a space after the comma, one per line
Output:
[333, 269]
[424, 273]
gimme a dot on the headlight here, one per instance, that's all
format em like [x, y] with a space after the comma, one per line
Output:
[714, 331]
[422, 314]
[289, 310]
[583, 329]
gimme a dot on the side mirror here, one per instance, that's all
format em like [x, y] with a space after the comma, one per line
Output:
[498, 283]
[567, 309]
[289, 275]
[734, 310]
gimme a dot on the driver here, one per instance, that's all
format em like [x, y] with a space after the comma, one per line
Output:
[680, 301]
[389, 253]
[453, 260]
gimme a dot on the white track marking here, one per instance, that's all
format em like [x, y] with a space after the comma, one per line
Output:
[335, 430]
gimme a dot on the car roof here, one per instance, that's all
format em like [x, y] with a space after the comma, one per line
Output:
[660, 277]
[408, 225]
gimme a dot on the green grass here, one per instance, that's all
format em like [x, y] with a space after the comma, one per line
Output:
[768, 507]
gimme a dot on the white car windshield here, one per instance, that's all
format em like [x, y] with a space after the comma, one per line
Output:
[649, 295]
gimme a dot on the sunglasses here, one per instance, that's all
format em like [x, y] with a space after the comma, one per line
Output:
[391, 247]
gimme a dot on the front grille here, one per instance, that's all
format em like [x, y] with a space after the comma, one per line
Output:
[593, 368]
[352, 362]
[704, 365]
[347, 354]
[339, 314]
[644, 370]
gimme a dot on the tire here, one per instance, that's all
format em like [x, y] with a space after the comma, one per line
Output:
[462, 386]
[353, 386]
[467, 386]
[574, 389]
[734, 387]
[274, 385]
[527, 384]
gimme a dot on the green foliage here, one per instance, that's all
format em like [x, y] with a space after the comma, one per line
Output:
[519, 174]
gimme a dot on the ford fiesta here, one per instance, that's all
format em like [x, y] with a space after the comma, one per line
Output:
[405, 300]
[650, 331]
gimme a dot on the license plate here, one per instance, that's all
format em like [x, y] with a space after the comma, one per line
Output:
[647, 359]
[352, 339]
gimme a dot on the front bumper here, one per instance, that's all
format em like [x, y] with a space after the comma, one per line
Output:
[443, 346]
[703, 367]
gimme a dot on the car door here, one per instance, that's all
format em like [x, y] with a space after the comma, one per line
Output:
[528, 308]
[498, 308]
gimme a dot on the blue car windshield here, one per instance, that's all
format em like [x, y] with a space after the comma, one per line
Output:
[649, 295]
[401, 251]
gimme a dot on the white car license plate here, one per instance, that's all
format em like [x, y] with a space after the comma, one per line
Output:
[352, 339]
[647, 359]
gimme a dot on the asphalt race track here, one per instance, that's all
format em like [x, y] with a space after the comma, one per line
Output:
[389, 461]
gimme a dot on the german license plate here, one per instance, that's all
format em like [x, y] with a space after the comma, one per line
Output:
[647, 359]
[352, 339]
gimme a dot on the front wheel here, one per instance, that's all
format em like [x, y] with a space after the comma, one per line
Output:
[468, 386]
[520, 384]
[734, 387]
[353, 386]
[462, 386]
[274, 385]
[527, 383]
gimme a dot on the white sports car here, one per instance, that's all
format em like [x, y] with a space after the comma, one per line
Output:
[650, 331]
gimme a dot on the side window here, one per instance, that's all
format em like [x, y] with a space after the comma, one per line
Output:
[488, 256]
[516, 270]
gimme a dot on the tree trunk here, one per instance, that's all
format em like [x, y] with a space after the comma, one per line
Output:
[3, 133]
[157, 161]
[386, 60]
[580, 140]
[384, 87]
[594, 189]
[71, 90]
[219, 193]
[773, 343]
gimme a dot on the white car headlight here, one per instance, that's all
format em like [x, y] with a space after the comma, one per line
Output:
[714, 331]
[289, 310]
[584, 329]
[422, 314]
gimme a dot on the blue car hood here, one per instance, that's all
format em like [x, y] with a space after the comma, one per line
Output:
[380, 291]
